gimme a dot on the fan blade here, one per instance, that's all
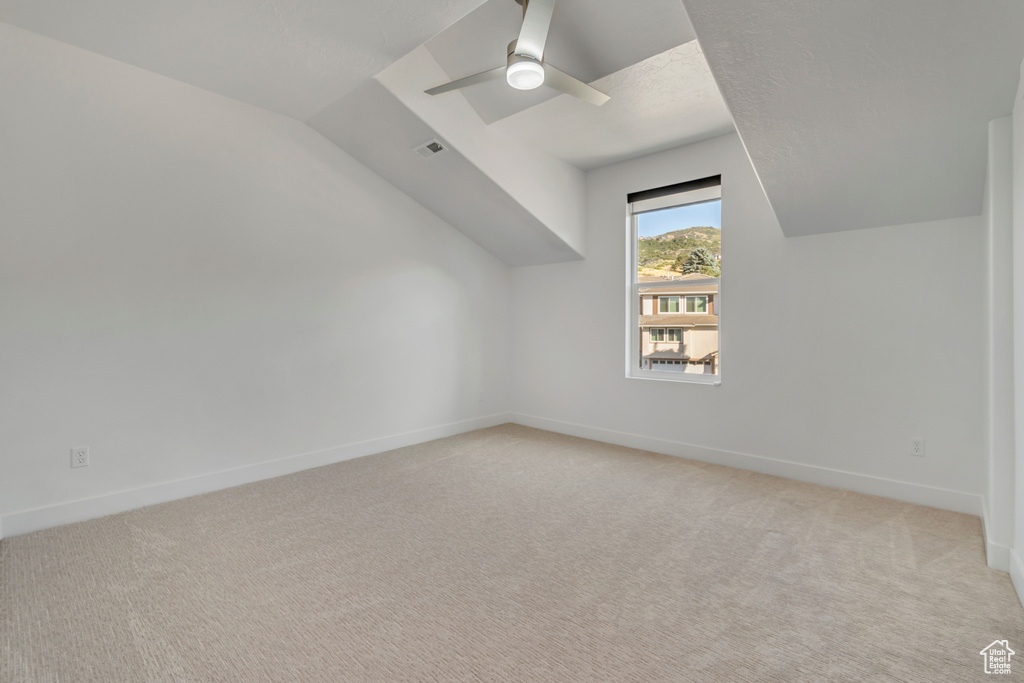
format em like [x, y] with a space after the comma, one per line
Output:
[481, 77]
[559, 80]
[536, 22]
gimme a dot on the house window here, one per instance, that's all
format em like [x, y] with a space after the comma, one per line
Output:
[696, 304]
[675, 269]
[671, 334]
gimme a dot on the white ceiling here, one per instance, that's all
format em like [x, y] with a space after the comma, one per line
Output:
[665, 101]
[290, 56]
[315, 61]
[864, 113]
[373, 126]
[589, 39]
[855, 113]
[299, 57]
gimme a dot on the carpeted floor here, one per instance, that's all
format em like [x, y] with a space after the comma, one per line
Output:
[508, 554]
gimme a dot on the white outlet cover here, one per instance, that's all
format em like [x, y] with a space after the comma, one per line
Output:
[80, 456]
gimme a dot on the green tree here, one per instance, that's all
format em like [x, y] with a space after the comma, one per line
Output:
[700, 260]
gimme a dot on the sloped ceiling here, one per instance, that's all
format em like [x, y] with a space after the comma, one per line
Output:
[290, 56]
[855, 113]
[376, 128]
[589, 39]
[665, 101]
[514, 177]
[864, 113]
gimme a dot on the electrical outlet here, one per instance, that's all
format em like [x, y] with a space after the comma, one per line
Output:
[80, 456]
[917, 447]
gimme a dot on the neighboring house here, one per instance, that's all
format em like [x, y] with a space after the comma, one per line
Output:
[679, 324]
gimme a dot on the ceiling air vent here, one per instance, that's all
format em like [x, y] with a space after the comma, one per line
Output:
[430, 148]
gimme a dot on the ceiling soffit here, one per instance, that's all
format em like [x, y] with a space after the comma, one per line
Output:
[864, 114]
[287, 56]
[376, 128]
[666, 101]
[589, 39]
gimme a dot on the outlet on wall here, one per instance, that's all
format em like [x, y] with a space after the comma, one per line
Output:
[80, 456]
[917, 447]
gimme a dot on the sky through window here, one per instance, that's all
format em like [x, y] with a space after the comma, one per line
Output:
[706, 214]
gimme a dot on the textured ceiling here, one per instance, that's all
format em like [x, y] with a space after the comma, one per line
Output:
[315, 61]
[863, 113]
[289, 56]
[589, 39]
[855, 113]
[665, 101]
[373, 126]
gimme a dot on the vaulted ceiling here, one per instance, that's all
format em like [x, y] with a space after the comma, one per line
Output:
[290, 56]
[854, 113]
[588, 39]
[324, 63]
[864, 113]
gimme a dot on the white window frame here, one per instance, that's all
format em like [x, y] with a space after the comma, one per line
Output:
[633, 329]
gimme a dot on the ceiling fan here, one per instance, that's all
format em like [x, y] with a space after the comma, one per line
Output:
[525, 68]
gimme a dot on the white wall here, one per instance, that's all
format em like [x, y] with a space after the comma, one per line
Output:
[837, 349]
[189, 285]
[998, 215]
[1017, 553]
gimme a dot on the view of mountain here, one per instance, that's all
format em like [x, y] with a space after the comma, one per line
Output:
[660, 252]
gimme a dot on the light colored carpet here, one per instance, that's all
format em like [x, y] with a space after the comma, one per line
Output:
[508, 554]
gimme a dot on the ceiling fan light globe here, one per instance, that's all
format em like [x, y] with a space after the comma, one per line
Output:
[525, 75]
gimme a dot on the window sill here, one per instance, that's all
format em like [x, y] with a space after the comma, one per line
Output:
[686, 377]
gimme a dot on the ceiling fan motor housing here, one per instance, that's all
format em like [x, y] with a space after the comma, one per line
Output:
[511, 52]
[525, 67]
[523, 72]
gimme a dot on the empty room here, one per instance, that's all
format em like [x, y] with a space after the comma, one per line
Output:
[511, 340]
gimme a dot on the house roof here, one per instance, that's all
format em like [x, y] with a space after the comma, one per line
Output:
[679, 320]
[681, 289]
[679, 355]
[690, 283]
[667, 355]
[674, 278]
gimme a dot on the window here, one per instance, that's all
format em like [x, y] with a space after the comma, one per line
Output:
[671, 334]
[675, 243]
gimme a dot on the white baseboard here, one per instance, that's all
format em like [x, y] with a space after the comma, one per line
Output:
[957, 501]
[1017, 575]
[24, 521]
[996, 554]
